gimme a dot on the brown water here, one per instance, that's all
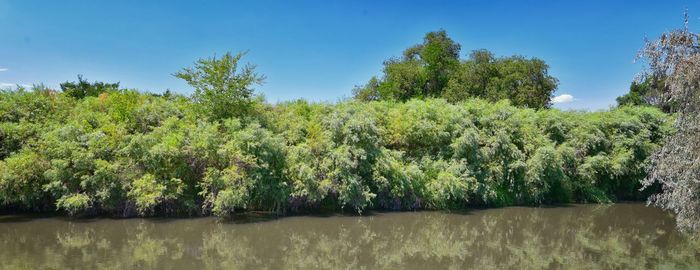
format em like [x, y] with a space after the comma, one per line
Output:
[621, 236]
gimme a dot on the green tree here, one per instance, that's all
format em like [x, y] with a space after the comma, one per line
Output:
[441, 56]
[526, 82]
[222, 89]
[473, 77]
[82, 88]
[434, 69]
[423, 71]
[649, 91]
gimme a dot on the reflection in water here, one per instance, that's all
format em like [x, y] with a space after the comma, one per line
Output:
[624, 236]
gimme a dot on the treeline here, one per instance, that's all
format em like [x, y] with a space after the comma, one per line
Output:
[435, 132]
[124, 153]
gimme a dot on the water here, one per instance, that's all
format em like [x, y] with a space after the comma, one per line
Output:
[621, 236]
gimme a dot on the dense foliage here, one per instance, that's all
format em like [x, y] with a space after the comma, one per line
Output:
[648, 91]
[221, 88]
[83, 88]
[434, 69]
[128, 153]
[675, 56]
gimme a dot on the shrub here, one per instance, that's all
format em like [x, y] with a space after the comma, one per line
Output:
[129, 153]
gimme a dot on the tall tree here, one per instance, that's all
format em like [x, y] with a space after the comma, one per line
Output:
[222, 89]
[434, 69]
[441, 57]
[526, 82]
[676, 167]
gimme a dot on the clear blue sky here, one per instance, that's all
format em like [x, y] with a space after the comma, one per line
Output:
[319, 50]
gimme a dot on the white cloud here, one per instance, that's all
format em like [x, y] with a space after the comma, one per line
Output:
[4, 69]
[563, 98]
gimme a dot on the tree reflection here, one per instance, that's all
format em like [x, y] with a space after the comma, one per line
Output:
[588, 237]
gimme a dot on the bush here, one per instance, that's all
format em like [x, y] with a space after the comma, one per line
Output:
[127, 153]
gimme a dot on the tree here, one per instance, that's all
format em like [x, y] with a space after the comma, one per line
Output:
[222, 89]
[423, 71]
[83, 88]
[433, 69]
[648, 91]
[635, 97]
[472, 78]
[675, 56]
[526, 82]
[368, 92]
[441, 56]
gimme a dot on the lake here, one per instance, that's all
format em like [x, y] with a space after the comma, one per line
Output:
[619, 236]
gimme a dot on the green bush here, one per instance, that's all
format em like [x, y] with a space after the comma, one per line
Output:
[126, 153]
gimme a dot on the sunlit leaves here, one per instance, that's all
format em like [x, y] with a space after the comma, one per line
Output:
[126, 153]
[222, 89]
[433, 69]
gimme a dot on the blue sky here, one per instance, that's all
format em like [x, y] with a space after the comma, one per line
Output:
[318, 50]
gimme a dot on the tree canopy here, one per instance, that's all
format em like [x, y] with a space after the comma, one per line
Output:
[222, 89]
[649, 91]
[434, 69]
[83, 88]
[675, 56]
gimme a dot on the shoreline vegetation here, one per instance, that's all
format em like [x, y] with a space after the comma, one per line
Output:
[127, 153]
[433, 132]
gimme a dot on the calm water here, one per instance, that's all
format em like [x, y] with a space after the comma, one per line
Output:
[621, 236]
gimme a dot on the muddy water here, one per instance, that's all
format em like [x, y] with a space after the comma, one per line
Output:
[620, 236]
